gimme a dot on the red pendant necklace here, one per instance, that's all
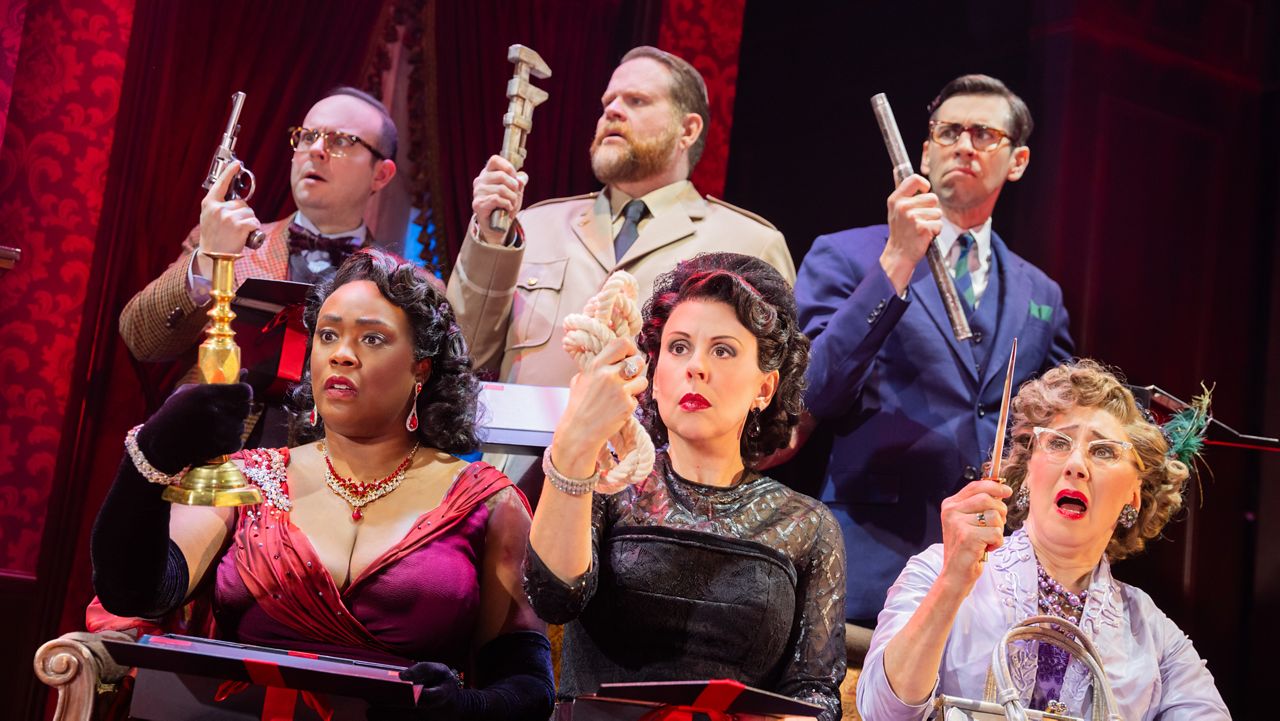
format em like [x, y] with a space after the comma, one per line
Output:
[358, 494]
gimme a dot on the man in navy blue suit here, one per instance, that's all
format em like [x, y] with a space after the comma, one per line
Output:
[911, 409]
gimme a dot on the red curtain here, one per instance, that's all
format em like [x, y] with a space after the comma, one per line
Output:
[708, 35]
[13, 15]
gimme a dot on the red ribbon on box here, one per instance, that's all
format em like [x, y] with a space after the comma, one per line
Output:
[719, 694]
[713, 703]
[264, 673]
[280, 701]
[293, 348]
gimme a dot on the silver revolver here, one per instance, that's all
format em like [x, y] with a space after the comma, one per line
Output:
[243, 185]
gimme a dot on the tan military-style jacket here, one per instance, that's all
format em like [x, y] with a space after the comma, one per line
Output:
[511, 301]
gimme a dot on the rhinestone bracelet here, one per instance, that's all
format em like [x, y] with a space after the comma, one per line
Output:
[564, 484]
[147, 470]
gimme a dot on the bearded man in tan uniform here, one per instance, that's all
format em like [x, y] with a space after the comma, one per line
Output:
[512, 291]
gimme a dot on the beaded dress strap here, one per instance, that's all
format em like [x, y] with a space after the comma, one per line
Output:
[265, 467]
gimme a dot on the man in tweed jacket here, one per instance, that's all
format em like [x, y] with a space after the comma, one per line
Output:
[332, 177]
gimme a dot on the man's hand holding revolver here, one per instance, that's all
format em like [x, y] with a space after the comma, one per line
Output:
[225, 225]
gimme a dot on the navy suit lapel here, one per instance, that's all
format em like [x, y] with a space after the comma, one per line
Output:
[1015, 308]
[927, 295]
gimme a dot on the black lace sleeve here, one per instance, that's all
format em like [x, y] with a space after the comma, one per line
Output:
[552, 599]
[817, 663]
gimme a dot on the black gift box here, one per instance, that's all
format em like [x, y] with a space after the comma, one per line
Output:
[269, 331]
[194, 678]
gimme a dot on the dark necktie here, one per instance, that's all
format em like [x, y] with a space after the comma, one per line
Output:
[312, 256]
[962, 271]
[632, 213]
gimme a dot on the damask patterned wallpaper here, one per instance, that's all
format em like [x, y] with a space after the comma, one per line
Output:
[708, 34]
[53, 165]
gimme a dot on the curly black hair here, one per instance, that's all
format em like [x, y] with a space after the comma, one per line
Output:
[765, 304]
[447, 406]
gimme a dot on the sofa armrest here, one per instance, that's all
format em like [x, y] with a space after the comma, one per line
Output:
[78, 666]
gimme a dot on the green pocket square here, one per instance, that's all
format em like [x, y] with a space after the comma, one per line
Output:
[1042, 312]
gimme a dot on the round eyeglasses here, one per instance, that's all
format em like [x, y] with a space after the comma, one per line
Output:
[337, 144]
[1104, 451]
[981, 136]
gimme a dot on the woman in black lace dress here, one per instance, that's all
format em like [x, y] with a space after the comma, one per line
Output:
[706, 569]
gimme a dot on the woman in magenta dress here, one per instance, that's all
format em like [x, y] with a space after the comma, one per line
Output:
[373, 541]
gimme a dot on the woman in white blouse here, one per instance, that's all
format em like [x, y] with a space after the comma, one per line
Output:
[1089, 481]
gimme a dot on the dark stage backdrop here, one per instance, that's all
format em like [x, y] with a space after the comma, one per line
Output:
[1151, 197]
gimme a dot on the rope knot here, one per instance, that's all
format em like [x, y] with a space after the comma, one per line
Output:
[612, 313]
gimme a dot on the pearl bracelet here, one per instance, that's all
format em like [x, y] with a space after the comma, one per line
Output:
[147, 470]
[564, 484]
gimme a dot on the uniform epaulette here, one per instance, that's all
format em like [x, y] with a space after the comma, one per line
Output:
[741, 211]
[551, 201]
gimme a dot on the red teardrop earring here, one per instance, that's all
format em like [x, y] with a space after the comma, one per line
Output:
[411, 423]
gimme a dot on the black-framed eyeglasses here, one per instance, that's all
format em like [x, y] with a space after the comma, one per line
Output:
[981, 136]
[1103, 451]
[336, 143]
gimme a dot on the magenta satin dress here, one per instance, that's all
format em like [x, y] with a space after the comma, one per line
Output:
[419, 601]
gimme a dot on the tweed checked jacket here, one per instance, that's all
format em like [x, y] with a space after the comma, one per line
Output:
[511, 301]
[161, 321]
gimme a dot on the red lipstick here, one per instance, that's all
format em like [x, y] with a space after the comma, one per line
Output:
[1071, 504]
[692, 402]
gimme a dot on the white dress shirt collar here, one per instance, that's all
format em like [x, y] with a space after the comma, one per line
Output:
[981, 234]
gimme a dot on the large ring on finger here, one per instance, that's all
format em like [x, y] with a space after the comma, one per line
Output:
[982, 518]
[630, 369]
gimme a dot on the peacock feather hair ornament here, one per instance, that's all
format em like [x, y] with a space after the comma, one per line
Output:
[1186, 429]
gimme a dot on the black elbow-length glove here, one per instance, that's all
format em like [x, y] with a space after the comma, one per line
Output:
[137, 569]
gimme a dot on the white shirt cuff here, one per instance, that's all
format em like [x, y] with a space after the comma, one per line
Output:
[198, 286]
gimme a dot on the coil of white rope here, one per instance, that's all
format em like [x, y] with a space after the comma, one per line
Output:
[612, 313]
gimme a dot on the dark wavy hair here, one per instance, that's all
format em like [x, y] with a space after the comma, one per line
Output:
[447, 406]
[765, 304]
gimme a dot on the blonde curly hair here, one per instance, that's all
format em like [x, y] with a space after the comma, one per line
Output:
[1089, 384]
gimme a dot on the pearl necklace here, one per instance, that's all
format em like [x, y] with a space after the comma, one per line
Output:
[358, 494]
[1057, 600]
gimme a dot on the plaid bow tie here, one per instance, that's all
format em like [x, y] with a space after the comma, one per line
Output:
[338, 248]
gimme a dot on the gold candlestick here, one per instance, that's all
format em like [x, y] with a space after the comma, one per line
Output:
[218, 482]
